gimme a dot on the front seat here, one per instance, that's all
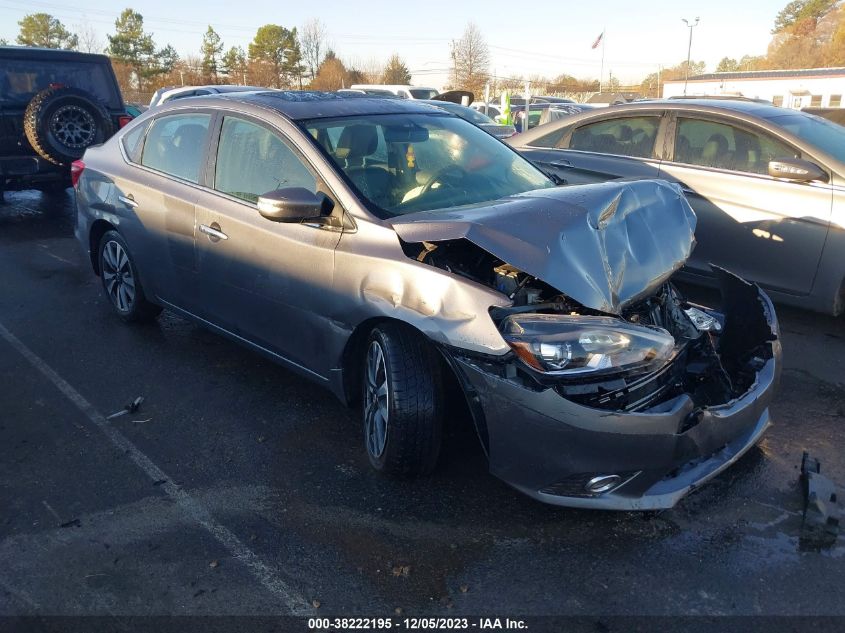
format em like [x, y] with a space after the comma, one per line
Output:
[715, 152]
[356, 142]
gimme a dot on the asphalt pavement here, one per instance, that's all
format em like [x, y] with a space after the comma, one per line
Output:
[239, 488]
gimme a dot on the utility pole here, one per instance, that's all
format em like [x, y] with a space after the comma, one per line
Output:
[690, 26]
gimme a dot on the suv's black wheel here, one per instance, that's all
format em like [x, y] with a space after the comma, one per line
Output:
[121, 282]
[60, 123]
[402, 402]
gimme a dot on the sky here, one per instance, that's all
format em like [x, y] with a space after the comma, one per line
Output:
[545, 38]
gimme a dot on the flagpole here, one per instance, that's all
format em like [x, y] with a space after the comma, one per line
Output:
[601, 73]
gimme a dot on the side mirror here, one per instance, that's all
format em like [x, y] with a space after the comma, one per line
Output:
[294, 204]
[796, 169]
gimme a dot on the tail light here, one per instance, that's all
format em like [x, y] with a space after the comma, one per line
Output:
[123, 119]
[76, 169]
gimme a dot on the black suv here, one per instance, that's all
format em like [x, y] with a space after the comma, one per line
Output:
[53, 105]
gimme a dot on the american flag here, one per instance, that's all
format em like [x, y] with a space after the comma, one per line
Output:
[598, 40]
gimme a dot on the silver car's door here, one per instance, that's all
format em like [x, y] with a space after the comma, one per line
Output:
[601, 150]
[160, 190]
[765, 229]
[267, 282]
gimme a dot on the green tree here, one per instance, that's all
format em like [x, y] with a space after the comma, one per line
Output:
[800, 10]
[211, 49]
[42, 29]
[132, 47]
[396, 72]
[727, 65]
[233, 64]
[277, 49]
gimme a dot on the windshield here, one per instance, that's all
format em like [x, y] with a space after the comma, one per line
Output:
[402, 163]
[829, 137]
[423, 93]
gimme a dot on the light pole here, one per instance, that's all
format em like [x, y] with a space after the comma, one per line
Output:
[690, 26]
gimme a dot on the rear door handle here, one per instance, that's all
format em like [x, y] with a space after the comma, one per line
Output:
[128, 200]
[214, 233]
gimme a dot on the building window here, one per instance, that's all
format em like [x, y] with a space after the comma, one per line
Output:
[777, 101]
[816, 101]
[835, 101]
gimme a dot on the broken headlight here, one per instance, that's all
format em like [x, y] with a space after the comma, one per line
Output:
[577, 345]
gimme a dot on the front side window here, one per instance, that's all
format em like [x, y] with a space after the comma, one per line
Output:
[252, 160]
[401, 163]
[722, 146]
[630, 136]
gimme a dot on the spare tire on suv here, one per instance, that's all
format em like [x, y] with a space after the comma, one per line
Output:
[60, 123]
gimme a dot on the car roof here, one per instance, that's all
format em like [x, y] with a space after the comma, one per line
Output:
[50, 54]
[308, 104]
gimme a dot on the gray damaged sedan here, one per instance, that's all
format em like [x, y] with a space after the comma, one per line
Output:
[391, 251]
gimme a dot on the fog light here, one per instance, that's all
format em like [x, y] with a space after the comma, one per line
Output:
[603, 483]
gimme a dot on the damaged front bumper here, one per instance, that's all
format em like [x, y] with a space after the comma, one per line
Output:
[554, 449]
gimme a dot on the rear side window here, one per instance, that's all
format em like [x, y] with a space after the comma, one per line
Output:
[175, 145]
[252, 160]
[20, 80]
[133, 143]
[630, 136]
[712, 144]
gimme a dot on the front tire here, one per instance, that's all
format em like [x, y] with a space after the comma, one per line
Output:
[402, 402]
[120, 281]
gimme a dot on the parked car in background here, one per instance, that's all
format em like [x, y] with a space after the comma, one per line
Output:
[53, 105]
[404, 91]
[475, 117]
[303, 226]
[163, 95]
[541, 112]
[767, 184]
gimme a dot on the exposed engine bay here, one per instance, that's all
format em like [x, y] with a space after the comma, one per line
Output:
[714, 356]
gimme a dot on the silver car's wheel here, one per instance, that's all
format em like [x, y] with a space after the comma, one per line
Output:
[402, 401]
[120, 280]
[117, 277]
[377, 405]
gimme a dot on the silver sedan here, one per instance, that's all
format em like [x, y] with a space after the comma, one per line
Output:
[393, 252]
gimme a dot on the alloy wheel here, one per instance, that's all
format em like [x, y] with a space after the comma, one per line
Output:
[117, 276]
[73, 126]
[376, 405]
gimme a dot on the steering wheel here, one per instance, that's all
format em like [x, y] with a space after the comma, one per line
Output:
[457, 169]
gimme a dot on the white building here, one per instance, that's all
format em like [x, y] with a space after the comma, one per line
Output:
[813, 87]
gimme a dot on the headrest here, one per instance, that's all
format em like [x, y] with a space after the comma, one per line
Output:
[357, 141]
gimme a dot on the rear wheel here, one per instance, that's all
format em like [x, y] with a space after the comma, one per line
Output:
[402, 402]
[121, 282]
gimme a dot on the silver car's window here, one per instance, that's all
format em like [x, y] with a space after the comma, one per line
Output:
[711, 144]
[826, 135]
[629, 136]
[175, 145]
[133, 143]
[401, 163]
[252, 160]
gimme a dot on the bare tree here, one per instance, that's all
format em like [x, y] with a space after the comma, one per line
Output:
[89, 42]
[313, 42]
[471, 60]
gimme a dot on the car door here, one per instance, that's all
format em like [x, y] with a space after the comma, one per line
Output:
[265, 281]
[592, 151]
[765, 229]
[160, 191]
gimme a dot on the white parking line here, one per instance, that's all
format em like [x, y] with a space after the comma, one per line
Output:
[263, 572]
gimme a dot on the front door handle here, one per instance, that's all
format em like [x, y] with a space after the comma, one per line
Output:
[214, 233]
[128, 200]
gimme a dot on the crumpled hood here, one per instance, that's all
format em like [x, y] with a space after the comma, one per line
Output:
[605, 245]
